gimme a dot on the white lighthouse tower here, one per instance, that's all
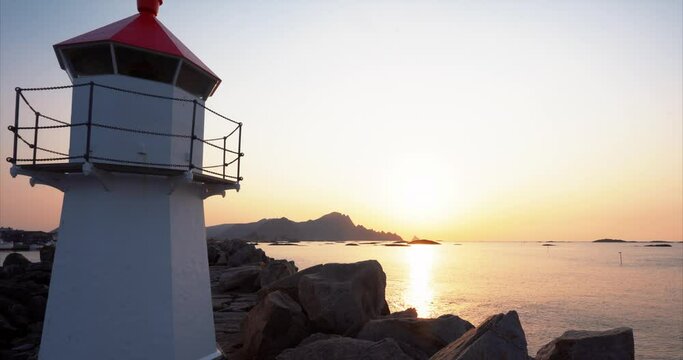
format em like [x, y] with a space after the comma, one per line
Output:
[130, 276]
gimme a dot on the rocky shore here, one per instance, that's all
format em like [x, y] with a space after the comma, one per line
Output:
[267, 309]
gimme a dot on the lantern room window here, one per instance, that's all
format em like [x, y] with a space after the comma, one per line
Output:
[89, 60]
[145, 65]
[194, 81]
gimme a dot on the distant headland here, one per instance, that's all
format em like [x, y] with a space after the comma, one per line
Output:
[331, 227]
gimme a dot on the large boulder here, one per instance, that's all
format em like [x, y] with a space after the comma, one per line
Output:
[16, 259]
[498, 337]
[47, 253]
[344, 348]
[275, 270]
[614, 344]
[341, 298]
[426, 335]
[248, 254]
[289, 284]
[243, 278]
[273, 325]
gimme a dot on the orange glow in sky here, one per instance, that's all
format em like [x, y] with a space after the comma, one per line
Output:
[447, 120]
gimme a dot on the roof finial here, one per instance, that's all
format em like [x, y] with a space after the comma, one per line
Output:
[149, 6]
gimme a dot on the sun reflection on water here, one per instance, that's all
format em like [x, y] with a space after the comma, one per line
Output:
[419, 293]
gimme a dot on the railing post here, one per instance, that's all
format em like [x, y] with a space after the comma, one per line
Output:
[87, 143]
[16, 125]
[193, 137]
[225, 138]
[239, 152]
[35, 138]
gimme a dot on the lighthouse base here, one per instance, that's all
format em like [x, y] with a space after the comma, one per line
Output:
[130, 275]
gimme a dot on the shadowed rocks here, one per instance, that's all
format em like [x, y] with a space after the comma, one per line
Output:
[614, 344]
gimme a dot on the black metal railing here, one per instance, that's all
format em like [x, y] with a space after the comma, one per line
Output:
[231, 158]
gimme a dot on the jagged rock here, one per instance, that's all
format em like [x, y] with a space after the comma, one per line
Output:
[243, 278]
[15, 259]
[407, 313]
[498, 337]
[427, 335]
[341, 298]
[276, 270]
[273, 325]
[614, 344]
[47, 253]
[344, 348]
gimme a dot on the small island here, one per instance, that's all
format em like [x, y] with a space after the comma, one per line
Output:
[609, 241]
[418, 241]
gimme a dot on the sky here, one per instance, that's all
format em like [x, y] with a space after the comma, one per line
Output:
[457, 120]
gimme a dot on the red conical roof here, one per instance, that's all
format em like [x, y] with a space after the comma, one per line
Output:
[144, 31]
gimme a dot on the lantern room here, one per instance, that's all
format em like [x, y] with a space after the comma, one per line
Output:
[138, 46]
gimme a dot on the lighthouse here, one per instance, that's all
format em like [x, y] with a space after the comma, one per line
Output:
[139, 155]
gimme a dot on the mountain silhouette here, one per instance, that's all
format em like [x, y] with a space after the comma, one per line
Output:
[331, 227]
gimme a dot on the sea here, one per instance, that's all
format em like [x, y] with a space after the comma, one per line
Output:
[571, 285]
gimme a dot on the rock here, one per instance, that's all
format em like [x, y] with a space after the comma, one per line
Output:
[243, 278]
[344, 348]
[222, 260]
[407, 313]
[317, 337]
[289, 284]
[426, 335]
[614, 344]
[47, 253]
[213, 254]
[246, 255]
[36, 307]
[276, 270]
[498, 337]
[16, 259]
[341, 298]
[273, 325]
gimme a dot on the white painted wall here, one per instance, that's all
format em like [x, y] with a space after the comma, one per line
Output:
[133, 111]
[130, 278]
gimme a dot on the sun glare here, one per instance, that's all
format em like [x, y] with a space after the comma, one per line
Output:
[419, 293]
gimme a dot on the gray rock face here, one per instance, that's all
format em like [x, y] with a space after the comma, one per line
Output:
[243, 278]
[343, 348]
[614, 344]
[498, 337]
[275, 270]
[273, 325]
[341, 298]
[426, 335]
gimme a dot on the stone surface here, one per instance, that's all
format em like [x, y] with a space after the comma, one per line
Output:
[243, 278]
[273, 325]
[341, 298]
[498, 337]
[426, 335]
[275, 270]
[344, 348]
[614, 344]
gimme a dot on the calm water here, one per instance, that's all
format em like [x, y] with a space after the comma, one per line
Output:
[568, 286]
